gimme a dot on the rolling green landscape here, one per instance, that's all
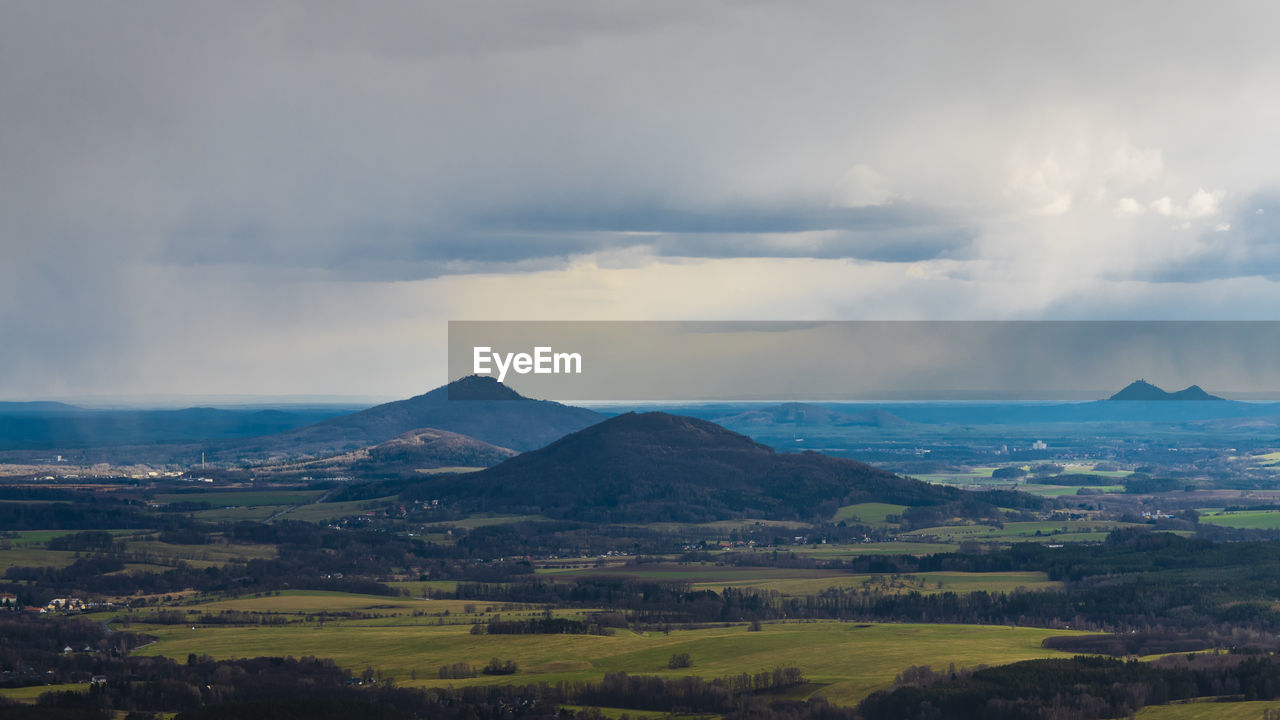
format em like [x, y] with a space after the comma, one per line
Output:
[640, 360]
[650, 563]
[1208, 710]
[843, 661]
[1244, 519]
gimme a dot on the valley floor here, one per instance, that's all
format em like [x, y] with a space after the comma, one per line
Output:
[844, 662]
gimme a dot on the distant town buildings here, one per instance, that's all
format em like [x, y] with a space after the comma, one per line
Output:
[65, 605]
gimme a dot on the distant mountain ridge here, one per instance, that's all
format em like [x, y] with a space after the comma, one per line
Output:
[654, 466]
[35, 426]
[12, 407]
[1141, 390]
[809, 415]
[476, 406]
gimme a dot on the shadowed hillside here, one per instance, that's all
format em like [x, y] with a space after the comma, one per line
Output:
[655, 466]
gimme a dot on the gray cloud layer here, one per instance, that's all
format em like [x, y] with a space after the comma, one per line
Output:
[309, 132]
[165, 165]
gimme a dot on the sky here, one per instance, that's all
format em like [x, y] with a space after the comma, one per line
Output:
[294, 198]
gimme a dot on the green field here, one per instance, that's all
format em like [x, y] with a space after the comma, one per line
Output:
[39, 538]
[309, 512]
[925, 582]
[324, 512]
[868, 513]
[216, 553]
[1268, 459]
[485, 520]
[805, 581]
[1090, 469]
[831, 551]
[695, 572]
[976, 476]
[302, 602]
[34, 557]
[1205, 710]
[725, 526]
[30, 693]
[248, 498]
[1036, 485]
[845, 660]
[419, 588]
[616, 713]
[1047, 490]
[1049, 531]
[711, 576]
[1245, 519]
[236, 514]
[879, 548]
[140, 555]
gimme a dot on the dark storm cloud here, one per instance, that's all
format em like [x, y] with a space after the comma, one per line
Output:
[164, 165]
[891, 233]
[437, 138]
[887, 219]
[552, 235]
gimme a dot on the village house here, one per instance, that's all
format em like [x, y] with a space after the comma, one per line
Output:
[65, 605]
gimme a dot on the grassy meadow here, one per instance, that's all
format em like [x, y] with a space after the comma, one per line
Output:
[831, 552]
[249, 498]
[142, 552]
[30, 693]
[1245, 519]
[845, 661]
[807, 581]
[1033, 531]
[34, 557]
[1208, 710]
[874, 514]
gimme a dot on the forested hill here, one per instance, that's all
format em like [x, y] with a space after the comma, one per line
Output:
[659, 467]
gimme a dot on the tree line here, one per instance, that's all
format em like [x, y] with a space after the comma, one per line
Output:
[1074, 689]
